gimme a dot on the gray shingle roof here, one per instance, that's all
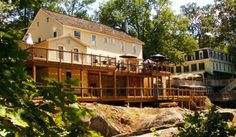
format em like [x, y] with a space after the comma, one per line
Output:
[91, 26]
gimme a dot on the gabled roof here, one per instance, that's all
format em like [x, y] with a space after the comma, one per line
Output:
[68, 36]
[90, 26]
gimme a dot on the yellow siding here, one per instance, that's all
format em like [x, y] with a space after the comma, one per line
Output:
[68, 45]
[53, 73]
[45, 29]
[102, 48]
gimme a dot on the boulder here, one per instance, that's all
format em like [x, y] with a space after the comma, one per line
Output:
[227, 116]
[100, 124]
[167, 118]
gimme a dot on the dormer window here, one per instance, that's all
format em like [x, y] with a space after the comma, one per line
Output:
[77, 34]
[93, 40]
[54, 34]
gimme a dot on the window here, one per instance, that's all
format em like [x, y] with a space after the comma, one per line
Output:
[60, 52]
[185, 57]
[47, 19]
[76, 54]
[113, 41]
[194, 67]
[68, 75]
[213, 66]
[134, 48]
[77, 34]
[68, 41]
[93, 40]
[178, 69]
[105, 40]
[210, 53]
[37, 24]
[172, 69]
[200, 55]
[122, 46]
[201, 66]
[39, 40]
[186, 68]
[54, 34]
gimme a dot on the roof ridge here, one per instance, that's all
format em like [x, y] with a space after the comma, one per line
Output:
[75, 24]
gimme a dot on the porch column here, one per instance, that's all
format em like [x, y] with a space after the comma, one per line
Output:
[127, 86]
[100, 82]
[115, 90]
[152, 86]
[81, 83]
[59, 74]
[34, 73]
[164, 85]
[157, 86]
[141, 88]
[149, 90]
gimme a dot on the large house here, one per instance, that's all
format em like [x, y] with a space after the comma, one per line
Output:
[210, 69]
[107, 61]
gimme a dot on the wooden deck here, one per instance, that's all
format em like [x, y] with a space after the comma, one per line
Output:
[133, 91]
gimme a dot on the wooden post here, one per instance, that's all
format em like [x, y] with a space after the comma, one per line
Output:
[34, 73]
[46, 54]
[115, 90]
[82, 58]
[100, 82]
[81, 84]
[100, 61]
[32, 53]
[71, 57]
[149, 90]
[152, 86]
[141, 104]
[157, 90]
[91, 56]
[141, 87]
[59, 74]
[127, 83]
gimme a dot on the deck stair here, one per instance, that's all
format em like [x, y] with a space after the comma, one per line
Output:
[229, 87]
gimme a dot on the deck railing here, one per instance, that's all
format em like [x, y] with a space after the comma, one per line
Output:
[222, 96]
[134, 92]
[54, 55]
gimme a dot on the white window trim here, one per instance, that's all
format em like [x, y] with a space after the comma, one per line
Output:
[93, 42]
[122, 46]
[74, 53]
[134, 48]
[58, 54]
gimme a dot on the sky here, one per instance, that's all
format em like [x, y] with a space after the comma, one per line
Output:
[175, 3]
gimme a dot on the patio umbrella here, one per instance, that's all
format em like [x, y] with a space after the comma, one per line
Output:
[128, 56]
[159, 57]
[148, 61]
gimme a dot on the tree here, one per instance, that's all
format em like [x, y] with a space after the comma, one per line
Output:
[77, 8]
[152, 22]
[56, 113]
[169, 36]
[210, 124]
